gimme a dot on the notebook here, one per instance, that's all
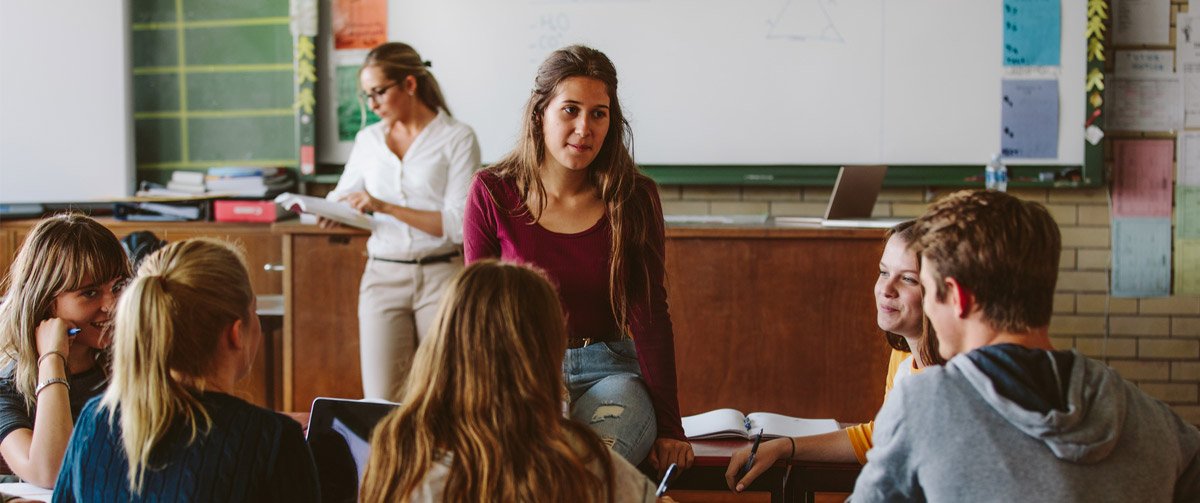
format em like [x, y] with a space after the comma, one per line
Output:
[730, 423]
[852, 200]
[339, 436]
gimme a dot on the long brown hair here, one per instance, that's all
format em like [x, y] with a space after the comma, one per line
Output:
[169, 323]
[928, 352]
[61, 254]
[486, 393]
[628, 204]
[397, 61]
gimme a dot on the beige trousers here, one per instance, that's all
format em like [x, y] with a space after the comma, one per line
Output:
[397, 304]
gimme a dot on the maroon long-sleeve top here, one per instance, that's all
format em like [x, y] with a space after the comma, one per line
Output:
[497, 225]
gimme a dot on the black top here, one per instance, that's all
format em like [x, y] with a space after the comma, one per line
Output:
[248, 454]
[14, 415]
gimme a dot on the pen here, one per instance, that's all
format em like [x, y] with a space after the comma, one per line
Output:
[753, 452]
[662, 486]
[74, 331]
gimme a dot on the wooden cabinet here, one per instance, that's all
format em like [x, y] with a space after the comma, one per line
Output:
[766, 319]
[777, 320]
[320, 349]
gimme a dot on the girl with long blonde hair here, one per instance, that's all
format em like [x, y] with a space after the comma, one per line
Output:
[570, 200]
[55, 324]
[482, 418]
[168, 428]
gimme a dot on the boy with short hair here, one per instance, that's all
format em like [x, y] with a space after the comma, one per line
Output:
[1008, 418]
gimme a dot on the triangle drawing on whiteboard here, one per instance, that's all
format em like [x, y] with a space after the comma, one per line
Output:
[804, 20]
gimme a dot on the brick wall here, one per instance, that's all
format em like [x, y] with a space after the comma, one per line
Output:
[1152, 342]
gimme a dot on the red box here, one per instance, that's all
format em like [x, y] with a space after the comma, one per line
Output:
[231, 210]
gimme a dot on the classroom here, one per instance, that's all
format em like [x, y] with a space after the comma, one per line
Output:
[749, 124]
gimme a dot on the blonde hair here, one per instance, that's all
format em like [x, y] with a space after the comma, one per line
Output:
[62, 253]
[623, 189]
[486, 389]
[397, 61]
[170, 319]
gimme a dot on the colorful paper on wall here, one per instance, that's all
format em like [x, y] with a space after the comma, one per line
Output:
[1144, 104]
[1029, 118]
[1189, 158]
[359, 24]
[1141, 257]
[1187, 52]
[350, 108]
[1032, 32]
[1137, 22]
[1187, 267]
[1187, 212]
[1141, 185]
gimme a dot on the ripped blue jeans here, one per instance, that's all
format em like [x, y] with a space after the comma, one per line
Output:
[607, 394]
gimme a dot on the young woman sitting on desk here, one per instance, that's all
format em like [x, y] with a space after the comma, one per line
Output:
[570, 200]
[899, 314]
[482, 419]
[168, 427]
[411, 170]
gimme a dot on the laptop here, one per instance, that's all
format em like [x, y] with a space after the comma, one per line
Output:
[339, 436]
[852, 200]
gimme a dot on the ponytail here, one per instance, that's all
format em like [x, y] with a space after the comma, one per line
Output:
[169, 322]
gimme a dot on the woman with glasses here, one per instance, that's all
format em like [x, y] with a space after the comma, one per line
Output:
[411, 171]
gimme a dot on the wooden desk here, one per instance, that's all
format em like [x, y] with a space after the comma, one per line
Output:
[766, 318]
[777, 485]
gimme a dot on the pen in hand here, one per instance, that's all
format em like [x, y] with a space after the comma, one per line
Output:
[753, 452]
[73, 331]
[662, 486]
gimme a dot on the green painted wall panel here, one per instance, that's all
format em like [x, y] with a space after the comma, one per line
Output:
[239, 91]
[239, 45]
[155, 48]
[203, 10]
[157, 140]
[153, 11]
[156, 93]
[219, 139]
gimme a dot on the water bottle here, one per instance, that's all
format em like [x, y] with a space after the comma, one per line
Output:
[995, 175]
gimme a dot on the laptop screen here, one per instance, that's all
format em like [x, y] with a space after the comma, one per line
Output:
[339, 436]
[855, 192]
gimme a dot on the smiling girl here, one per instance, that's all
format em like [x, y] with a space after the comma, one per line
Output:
[55, 323]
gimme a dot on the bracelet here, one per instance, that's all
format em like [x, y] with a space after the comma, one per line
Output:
[48, 382]
[792, 456]
[52, 353]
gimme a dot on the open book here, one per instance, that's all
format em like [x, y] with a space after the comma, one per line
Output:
[729, 423]
[335, 211]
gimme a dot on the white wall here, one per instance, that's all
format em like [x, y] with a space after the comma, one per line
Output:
[66, 126]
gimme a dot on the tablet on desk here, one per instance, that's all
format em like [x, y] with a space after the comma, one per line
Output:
[339, 436]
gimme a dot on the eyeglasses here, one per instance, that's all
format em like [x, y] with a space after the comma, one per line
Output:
[376, 93]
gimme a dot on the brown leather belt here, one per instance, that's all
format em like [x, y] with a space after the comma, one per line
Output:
[434, 259]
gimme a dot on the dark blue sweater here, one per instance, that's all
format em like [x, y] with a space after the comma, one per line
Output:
[248, 454]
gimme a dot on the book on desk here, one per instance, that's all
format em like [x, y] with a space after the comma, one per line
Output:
[730, 423]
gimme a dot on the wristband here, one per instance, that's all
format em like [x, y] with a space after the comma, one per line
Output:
[792, 456]
[48, 382]
[52, 353]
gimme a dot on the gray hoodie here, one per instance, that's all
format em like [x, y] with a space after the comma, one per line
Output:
[1008, 423]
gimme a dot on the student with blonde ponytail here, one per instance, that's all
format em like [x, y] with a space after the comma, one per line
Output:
[168, 427]
[482, 416]
[65, 279]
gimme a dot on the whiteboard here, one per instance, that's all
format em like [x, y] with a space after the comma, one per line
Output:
[753, 82]
[65, 101]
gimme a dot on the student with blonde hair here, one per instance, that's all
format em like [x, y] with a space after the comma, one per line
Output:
[482, 418]
[55, 323]
[168, 427]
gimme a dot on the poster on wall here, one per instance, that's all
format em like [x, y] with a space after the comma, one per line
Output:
[359, 24]
[352, 111]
